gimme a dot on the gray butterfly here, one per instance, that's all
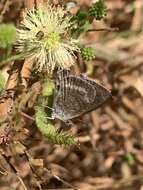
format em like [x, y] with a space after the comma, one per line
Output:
[76, 95]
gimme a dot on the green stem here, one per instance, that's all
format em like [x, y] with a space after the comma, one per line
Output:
[13, 58]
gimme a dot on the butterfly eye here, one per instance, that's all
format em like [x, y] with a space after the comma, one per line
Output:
[40, 35]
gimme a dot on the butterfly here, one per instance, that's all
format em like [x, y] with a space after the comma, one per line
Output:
[75, 95]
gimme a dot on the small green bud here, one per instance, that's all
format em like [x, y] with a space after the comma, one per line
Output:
[48, 88]
[98, 10]
[129, 158]
[82, 15]
[87, 53]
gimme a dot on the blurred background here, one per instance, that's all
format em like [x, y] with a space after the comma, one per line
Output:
[110, 150]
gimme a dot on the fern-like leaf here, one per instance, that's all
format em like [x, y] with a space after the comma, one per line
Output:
[49, 131]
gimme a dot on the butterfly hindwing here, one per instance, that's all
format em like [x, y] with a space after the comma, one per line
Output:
[76, 95]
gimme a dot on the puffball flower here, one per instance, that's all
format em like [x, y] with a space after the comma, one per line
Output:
[45, 35]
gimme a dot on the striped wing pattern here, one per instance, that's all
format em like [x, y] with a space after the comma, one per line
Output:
[75, 95]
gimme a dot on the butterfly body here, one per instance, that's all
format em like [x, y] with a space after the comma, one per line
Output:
[76, 95]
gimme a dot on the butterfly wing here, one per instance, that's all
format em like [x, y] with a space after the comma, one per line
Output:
[72, 97]
[76, 95]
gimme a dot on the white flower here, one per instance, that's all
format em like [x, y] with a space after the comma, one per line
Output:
[43, 34]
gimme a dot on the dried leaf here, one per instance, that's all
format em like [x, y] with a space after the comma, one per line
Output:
[17, 148]
[136, 82]
[37, 162]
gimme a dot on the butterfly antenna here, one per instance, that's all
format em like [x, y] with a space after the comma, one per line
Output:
[50, 118]
[49, 108]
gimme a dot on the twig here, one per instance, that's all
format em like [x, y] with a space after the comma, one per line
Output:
[28, 156]
[119, 183]
[105, 53]
[37, 177]
[59, 179]
[21, 181]
[116, 184]
[120, 123]
[103, 29]
[12, 58]
[27, 116]
[129, 70]
[5, 8]
[15, 172]
[3, 173]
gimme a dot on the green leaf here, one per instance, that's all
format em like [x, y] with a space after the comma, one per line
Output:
[49, 131]
[2, 82]
[48, 88]
[7, 35]
[129, 158]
